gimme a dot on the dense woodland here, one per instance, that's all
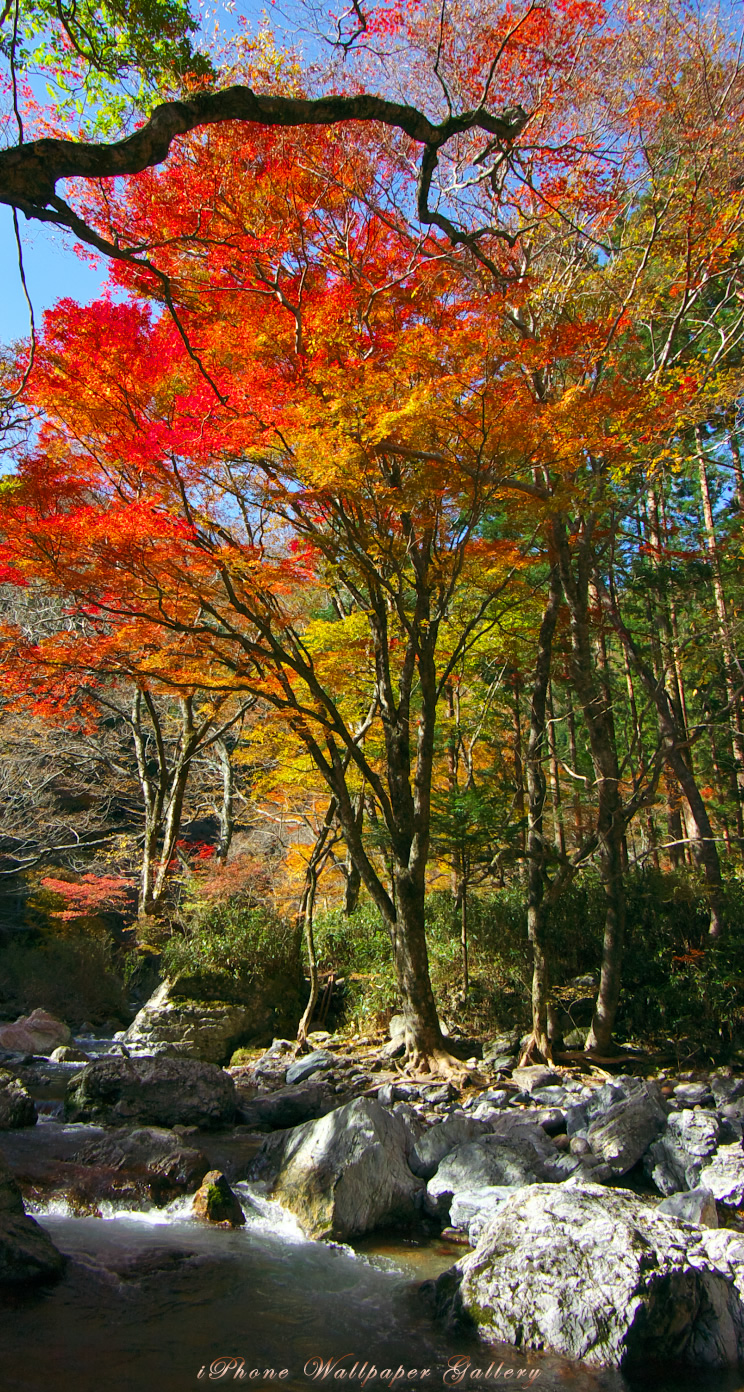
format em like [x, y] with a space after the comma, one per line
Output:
[372, 548]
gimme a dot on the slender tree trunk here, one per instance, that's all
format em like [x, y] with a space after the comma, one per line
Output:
[596, 708]
[519, 766]
[559, 834]
[226, 810]
[724, 630]
[537, 850]
[573, 751]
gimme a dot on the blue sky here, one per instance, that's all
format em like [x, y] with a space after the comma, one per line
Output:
[52, 268]
[52, 271]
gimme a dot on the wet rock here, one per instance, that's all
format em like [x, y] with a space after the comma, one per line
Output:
[157, 1092]
[149, 1159]
[598, 1275]
[288, 1106]
[27, 1253]
[303, 1068]
[37, 1033]
[69, 1053]
[270, 1070]
[16, 1107]
[205, 1030]
[441, 1140]
[696, 1206]
[216, 1203]
[344, 1174]
[675, 1161]
[724, 1175]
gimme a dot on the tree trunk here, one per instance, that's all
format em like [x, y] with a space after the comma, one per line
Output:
[537, 850]
[595, 703]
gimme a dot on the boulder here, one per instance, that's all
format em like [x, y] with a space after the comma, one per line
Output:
[620, 1121]
[726, 1088]
[27, 1253]
[344, 1174]
[599, 1275]
[516, 1156]
[431, 1148]
[16, 1107]
[37, 1033]
[692, 1094]
[674, 1162]
[204, 1030]
[303, 1068]
[157, 1092]
[69, 1053]
[724, 1176]
[696, 1206]
[535, 1077]
[288, 1106]
[148, 1161]
[216, 1203]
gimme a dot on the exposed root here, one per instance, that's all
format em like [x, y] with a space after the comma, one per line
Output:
[435, 1065]
[538, 1049]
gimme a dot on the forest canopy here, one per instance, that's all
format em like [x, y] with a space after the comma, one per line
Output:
[398, 466]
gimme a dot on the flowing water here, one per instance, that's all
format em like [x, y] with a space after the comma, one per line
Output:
[153, 1301]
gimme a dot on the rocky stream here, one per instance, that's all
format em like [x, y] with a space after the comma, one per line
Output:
[167, 1222]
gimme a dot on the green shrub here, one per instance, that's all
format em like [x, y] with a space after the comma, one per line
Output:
[229, 949]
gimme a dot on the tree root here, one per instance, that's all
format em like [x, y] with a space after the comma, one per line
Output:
[538, 1049]
[438, 1064]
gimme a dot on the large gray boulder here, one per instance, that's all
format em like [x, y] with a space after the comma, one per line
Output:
[343, 1174]
[287, 1106]
[431, 1148]
[155, 1092]
[516, 1156]
[599, 1275]
[620, 1122]
[724, 1175]
[26, 1252]
[689, 1140]
[16, 1107]
[205, 1030]
[472, 1209]
[149, 1161]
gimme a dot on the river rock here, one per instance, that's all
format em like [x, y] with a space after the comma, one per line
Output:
[304, 1068]
[37, 1033]
[216, 1203]
[16, 1107]
[620, 1121]
[206, 1030]
[674, 1162]
[431, 1148]
[598, 1275]
[69, 1053]
[157, 1092]
[692, 1094]
[517, 1156]
[27, 1253]
[724, 1176]
[696, 1206]
[149, 1159]
[287, 1106]
[535, 1077]
[726, 1088]
[344, 1174]
[471, 1209]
